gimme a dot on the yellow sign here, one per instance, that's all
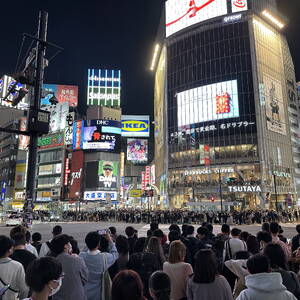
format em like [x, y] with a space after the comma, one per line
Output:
[136, 193]
[135, 126]
[46, 194]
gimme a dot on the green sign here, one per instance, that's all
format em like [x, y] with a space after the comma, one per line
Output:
[53, 140]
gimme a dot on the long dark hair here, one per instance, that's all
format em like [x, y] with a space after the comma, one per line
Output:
[205, 267]
[127, 284]
[276, 256]
[160, 285]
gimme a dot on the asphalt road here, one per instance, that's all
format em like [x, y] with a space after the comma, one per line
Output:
[79, 229]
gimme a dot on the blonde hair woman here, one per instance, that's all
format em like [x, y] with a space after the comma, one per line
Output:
[178, 270]
[154, 246]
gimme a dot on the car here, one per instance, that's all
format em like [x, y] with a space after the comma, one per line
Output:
[14, 220]
[54, 218]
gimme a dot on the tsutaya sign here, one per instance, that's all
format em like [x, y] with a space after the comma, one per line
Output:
[245, 189]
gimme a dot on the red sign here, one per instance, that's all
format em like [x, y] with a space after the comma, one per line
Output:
[67, 93]
[240, 3]
[223, 103]
[67, 171]
[76, 174]
[143, 181]
[78, 134]
[147, 175]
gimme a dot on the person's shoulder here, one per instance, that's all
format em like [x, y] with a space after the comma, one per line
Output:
[15, 264]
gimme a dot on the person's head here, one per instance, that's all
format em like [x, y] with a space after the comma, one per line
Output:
[59, 244]
[274, 228]
[190, 230]
[6, 246]
[153, 226]
[276, 256]
[235, 232]
[158, 233]
[174, 227]
[27, 236]
[258, 263]
[177, 252]
[154, 246]
[19, 239]
[209, 227]
[202, 232]
[160, 286]
[74, 244]
[264, 237]
[113, 230]
[129, 230]
[44, 275]
[104, 243]
[184, 228]
[56, 230]
[265, 227]
[298, 228]
[17, 229]
[139, 245]
[205, 269]
[225, 229]
[149, 232]
[108, 168]
[173, 236]
[36, 237]
[122, 244]
[242, 255]
[244, 235]
[252, 244]
[92, 240]
[127, 284]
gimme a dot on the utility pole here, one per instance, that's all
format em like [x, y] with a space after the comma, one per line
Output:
[35, 106]
[275, 190]
[220, 190]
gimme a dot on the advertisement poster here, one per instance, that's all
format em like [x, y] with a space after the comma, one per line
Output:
[104, 87]
[104, 196]
[137, 150]
[135, 126]
[63, 93]
[76, 174]
[185, 13]
[69, 128]
[212, 102]
[108, 174]
[239, 5]
[275, 113]
[58, 116]
[23, 139]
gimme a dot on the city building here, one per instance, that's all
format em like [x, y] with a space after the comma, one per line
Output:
[224, 92]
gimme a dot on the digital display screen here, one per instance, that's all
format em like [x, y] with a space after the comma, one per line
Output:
[181, 14]
[135, 126]
[137, 150]
[208, 103]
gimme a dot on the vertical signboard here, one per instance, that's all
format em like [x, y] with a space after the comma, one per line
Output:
[143, 181]
[77, 135]
[23, 139]
[69, 128]
[76, 174]
[147, 175]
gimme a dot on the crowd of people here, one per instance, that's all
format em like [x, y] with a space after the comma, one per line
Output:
[182, 264]
[181, 217]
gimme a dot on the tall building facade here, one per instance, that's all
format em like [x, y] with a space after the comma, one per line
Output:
[226, 76]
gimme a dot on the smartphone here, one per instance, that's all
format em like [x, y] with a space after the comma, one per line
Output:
[3, 290]
[102, 231]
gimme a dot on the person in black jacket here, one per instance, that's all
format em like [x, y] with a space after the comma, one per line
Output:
[131, 236]
[296, 239]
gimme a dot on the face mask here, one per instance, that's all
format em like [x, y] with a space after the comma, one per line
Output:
[54, 291]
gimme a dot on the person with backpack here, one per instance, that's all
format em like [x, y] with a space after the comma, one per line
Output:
[45, 248]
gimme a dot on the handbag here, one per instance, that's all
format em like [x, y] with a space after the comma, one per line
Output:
[106, 281]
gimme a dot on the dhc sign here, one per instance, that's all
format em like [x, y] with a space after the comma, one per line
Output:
[135, 126]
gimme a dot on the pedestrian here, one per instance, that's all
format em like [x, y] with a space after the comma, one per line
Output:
[28, 246]
[252, 245]
[97, 263]
[11, 272]
[263, 238]
[44, 277]
[274, 229]
[160, 286]
[131, 236]
[127, 284]
[296, 239]
[206, 283]
[154, 246]
[177, 270]
[45, 248]
[36, 241]
[262, 284]
[74, 268]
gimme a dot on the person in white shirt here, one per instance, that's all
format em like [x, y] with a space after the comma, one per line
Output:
[234, 245]
[28, 246]
[45, 248]
[11, 272]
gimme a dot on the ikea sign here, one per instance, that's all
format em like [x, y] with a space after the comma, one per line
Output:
[135, 126]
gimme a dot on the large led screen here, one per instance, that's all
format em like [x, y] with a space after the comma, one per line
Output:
[181, 14]
[104, 87]
[137, 150]
[135, 126]
[208, 103]
[108, 172]
[101, 135]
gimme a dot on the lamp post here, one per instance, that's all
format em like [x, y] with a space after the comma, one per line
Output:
[220, 190]
[275, 190]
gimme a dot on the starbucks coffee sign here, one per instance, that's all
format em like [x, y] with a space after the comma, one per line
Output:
[245, 189]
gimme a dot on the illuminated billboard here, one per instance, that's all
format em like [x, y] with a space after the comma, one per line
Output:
[108, 175]
[135, 126]
[181, 14]
[58, 116]
[101, 135]
[216, 101]
[137, 150]
[104, 87]
[63, 93]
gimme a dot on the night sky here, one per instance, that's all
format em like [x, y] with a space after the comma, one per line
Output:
[115, 34]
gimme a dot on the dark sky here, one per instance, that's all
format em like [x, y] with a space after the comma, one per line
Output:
[116, 34]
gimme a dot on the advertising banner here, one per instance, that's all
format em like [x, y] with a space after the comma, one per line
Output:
[20, 176]
[275, 113]
[23, 139]
[137, 150]
[108, 172]
[208, 103]
[58, 116]
[104, 87]
[143, 181]
[147, 175]
[184, 13]
[100, 196]
[239, 5]
[63, 93]
[70, 117]
[50, 141]
[101, 135]
[153, 178]
[136, 193]
[135, 126]
[76, 174]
